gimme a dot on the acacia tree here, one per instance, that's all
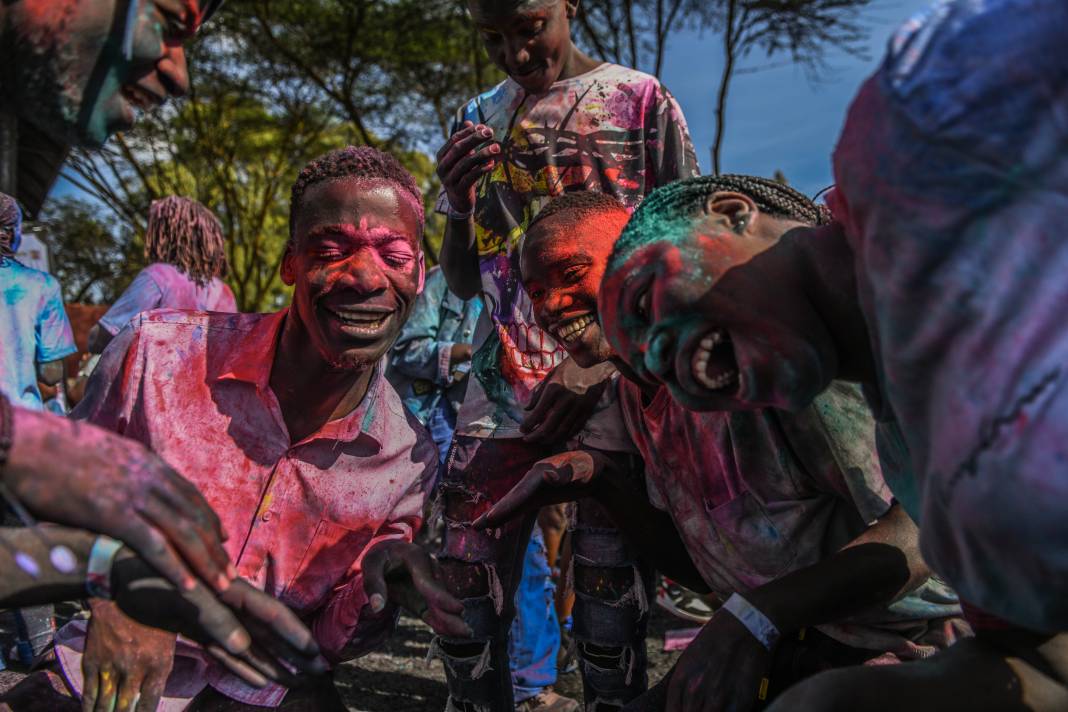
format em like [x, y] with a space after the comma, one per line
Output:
[803, 30]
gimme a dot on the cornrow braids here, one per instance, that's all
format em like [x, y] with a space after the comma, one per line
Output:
[184, 233]
[670, 208]
[583, 203]
[10, 227]
[354, 162]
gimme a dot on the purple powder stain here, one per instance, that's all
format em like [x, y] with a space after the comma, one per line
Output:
[28, 564]
[62, 559]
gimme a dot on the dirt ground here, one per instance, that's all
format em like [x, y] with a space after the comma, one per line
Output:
[397, 678]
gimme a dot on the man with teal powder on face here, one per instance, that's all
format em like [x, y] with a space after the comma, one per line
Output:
[941, 290]
[560, 122]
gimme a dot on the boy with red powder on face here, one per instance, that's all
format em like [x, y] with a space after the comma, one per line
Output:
[759, 507]
[561, 122]
[288, 426]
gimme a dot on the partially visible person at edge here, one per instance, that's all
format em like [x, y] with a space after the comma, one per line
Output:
[35, 334]
[287, 425]
[952, 184]
[35, 337]
[52, 53]
[769, 510]
[429, 366]
[186, 251]
[561, 121]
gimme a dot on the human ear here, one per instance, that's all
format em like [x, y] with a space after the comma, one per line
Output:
[737, 209]
[288, 270]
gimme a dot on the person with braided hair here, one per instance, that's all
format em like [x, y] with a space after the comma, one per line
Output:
[766, 509]
[186, 249]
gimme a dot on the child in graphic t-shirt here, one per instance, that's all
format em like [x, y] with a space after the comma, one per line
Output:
[560, 122]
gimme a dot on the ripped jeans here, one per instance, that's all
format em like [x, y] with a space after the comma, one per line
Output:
[483, 569]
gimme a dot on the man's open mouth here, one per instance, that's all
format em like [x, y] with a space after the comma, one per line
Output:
[713, 363]
[571, 331]
[361, 322]
[140, 97]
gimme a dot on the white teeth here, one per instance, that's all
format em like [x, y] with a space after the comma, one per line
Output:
[699, 363]
[571, 330]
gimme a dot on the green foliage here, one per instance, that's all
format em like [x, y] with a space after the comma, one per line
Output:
[93, 257]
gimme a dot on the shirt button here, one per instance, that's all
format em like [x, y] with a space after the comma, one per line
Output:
[266, 516]
[467, 332]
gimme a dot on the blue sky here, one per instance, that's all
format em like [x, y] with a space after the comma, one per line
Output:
[777, 118]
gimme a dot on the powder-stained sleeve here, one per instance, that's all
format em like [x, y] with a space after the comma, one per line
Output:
[114, 384]
[953, 170]
[54, 336]
[142, 295]
[669, 149]
[834, 439]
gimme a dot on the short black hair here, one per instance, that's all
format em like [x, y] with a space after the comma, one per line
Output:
[354, 162]
[581, 202]
[671, 207]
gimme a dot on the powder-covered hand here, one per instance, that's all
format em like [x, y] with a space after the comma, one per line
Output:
[564, 401]
[560, 478]
[720, 670]
[244, 628]
[461, 163]
[76, 474]
[126, 664]
[407, 576]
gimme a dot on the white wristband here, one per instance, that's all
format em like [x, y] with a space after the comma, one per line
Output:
[457, 215]
[754, 621]
[98, 572]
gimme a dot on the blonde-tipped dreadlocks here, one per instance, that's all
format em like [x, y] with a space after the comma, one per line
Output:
[184, 233]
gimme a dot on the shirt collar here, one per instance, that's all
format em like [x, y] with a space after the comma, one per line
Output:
[251, 359]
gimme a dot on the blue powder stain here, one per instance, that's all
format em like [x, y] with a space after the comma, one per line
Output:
[14, 294]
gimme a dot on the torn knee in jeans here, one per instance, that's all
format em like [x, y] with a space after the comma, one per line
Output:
[614, 585]
[608, 584]
[605, 657]
[464, 659]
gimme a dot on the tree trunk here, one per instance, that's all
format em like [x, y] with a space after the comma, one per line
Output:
[730, 37]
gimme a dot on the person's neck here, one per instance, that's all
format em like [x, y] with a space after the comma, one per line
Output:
[578, 62]
[311, 391]
[831, 285]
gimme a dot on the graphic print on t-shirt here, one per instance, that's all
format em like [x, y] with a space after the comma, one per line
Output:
[612, 130]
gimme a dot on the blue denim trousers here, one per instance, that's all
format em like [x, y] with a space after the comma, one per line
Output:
[535, 633]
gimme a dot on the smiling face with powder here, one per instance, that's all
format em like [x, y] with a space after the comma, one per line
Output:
[82, 69]
[695, 298]
[354, 259]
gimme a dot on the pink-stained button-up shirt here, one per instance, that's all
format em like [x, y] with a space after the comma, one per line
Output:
[194, 387]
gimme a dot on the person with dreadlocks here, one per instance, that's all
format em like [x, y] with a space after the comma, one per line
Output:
[287, 425]
[186, 249]
[784, 516]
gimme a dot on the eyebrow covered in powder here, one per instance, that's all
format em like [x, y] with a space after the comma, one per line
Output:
[372, 235]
